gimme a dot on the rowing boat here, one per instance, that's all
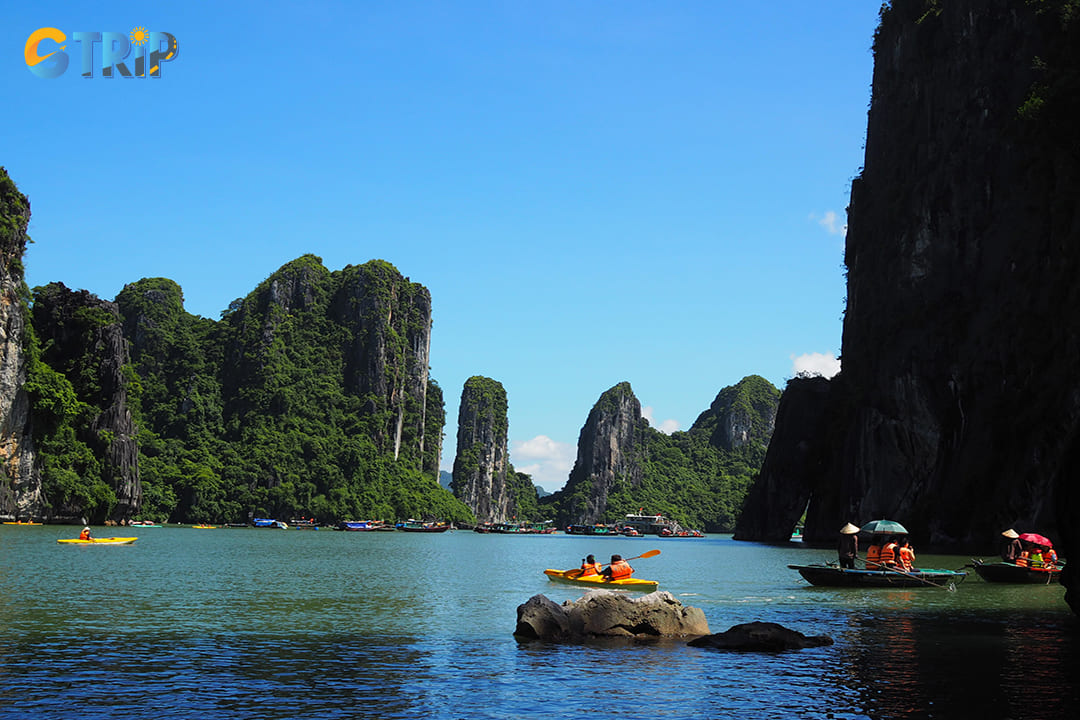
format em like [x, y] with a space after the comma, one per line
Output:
[98, 541]
[833, 576]
[573, 577]
[1005, 572]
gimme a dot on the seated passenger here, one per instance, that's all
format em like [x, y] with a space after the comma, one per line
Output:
[589, 566]
[873, 555]
[888, 553]
[1035, 559]
[906, 555]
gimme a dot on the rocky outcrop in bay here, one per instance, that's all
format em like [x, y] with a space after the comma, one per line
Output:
[958, 405]
[20, 482]
[607, 614]
[481, 463]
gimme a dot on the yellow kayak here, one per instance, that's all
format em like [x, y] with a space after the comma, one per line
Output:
[98, 541]
[572, 577]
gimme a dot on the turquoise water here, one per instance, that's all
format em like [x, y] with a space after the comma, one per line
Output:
[284, 624]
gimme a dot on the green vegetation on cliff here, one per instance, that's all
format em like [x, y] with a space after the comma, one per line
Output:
[699, 477]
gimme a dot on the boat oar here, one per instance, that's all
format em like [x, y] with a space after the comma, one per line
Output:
[951, 587]
[571, 574]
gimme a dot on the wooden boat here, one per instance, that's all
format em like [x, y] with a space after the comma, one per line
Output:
[598, 530]
[1007, 572]
[98, 541]
[599, 581]
[415, 526]
[834, 576]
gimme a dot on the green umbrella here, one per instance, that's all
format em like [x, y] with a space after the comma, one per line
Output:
[884, 527]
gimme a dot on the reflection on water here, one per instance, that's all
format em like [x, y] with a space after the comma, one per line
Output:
[288, 624]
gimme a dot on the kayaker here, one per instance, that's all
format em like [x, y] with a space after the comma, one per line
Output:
[618, 569]
[1013, 547]
[848, 547]
[589, 566]
[85, 534]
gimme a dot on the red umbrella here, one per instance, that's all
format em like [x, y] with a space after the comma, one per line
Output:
[1036, 539]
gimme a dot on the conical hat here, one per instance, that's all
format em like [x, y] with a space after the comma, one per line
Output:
[1010, 533]
[849, 529]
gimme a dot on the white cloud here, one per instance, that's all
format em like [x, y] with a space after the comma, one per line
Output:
[551, 460]
[666, 426]
[824, 364]
[831, 222]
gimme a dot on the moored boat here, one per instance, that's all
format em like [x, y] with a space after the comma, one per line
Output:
[427, 527]
[597, 530]
[98, 541]
[1007, 572]
[835, 576]
[269, 523]
[573, 577]
[363, 525]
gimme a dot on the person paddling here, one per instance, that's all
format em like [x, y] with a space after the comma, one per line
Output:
[85, 534]
[848, 546]
[618, 569]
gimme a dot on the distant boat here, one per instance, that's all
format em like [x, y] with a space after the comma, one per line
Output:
[657, 524]
[363, 525]
[417, 526]
[599, 529]
[269, 523]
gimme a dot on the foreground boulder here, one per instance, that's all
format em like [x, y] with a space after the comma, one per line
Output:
[766, 636]
[607, 614]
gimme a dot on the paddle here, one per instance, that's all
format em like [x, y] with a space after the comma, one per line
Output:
[951, 587]
[571, 574]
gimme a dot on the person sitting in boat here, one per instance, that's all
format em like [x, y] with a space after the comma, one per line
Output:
[906, 556]
[888, 553]
[618, 569]
[1013, 547]
[873, 555]
[1050, 560]
[85, 534]
[1022, 558]
[848, 547]
[589, 566]
[1035, 559]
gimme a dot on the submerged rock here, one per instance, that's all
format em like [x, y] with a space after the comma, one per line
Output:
[766, 636]
[607, 614]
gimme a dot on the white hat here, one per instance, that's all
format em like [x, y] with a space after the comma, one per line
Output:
[849, 529]
[1010, 533]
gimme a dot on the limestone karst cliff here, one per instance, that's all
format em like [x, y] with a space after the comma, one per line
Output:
[698, 477]
[20, 483]
[958, 397]
[81, 336]
[482, 461]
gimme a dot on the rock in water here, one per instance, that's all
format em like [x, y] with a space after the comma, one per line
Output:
[766, 636]
[607, 614]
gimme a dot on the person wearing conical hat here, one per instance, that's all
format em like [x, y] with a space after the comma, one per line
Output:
[848, 547]
[1013, 547]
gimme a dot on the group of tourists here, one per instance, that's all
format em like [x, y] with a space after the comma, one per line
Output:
[1028, 554]
[885, 552]
[617, 569]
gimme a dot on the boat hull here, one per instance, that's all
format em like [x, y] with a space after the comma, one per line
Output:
[1008, 573]
[98, 541]
[832, 576]
[630, 583]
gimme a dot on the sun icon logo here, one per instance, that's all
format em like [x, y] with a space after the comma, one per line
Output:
[139, 36]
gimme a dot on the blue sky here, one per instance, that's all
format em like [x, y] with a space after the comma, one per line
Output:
[593, 191]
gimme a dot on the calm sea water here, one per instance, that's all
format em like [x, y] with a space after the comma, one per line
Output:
[286, 624]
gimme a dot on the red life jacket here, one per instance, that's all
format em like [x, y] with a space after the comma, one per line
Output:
[621, 569]
[907, 557]
[873, 555]
[888, 554]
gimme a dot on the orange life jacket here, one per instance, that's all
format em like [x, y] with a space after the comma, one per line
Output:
[888, 554]
[621, 569]
[1050, 559]
[873, 555]
[1022, 559]
[907, 557]
[84, 535]
[590, 569]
